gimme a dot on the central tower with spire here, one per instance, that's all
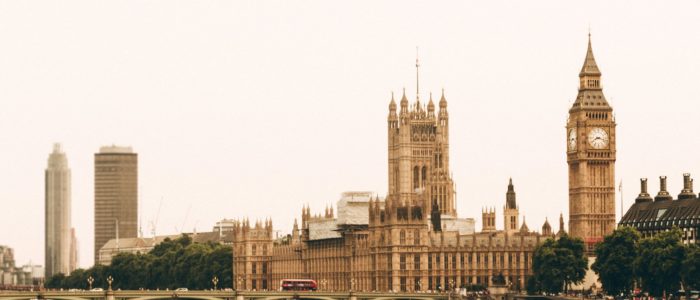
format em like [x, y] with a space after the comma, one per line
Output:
[510, 211]
[591, 150]
[419, 159]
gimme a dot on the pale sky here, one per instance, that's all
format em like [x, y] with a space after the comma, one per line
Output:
[254, 108]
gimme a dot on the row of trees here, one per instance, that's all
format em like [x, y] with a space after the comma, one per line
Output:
[557, 264]
[171, 264]
[657, 264]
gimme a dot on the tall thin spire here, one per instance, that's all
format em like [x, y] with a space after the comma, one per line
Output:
[590, 67]
[417, 81]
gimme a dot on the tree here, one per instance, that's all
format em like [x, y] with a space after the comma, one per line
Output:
[556, 264]
[55, 281]
[615, 258]
[574, 260]
[659, 262]
[170, 264]
[532, 287]
[690, 272]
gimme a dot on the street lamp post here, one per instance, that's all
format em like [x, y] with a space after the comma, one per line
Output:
[90, 280]
[215, 280]
[109, 282]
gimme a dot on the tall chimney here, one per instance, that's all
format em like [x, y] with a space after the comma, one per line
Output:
[687, 192]
[663, 194]
[643, 194]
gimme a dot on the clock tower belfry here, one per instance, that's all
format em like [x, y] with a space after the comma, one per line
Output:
[590, 151]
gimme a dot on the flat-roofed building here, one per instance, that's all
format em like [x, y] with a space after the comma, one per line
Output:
[116, 195]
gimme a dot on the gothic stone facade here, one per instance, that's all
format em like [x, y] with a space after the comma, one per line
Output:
[405, 242]
[412, 240]
[591, 154]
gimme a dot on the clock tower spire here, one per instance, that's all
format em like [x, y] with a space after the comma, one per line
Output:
[591, 155]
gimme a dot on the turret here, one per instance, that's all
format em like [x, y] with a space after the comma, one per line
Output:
[510, 195]
[443, 110]
[443, 103]
[643, 194]
[546, 228]
[488, 219]
[295, 232]
[431, 106]
[404, 102]
[510, 211]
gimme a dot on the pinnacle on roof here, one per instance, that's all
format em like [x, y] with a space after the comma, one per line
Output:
[524, 227]
[392, 104]
[443, 102]
[404, 100]
[431, 105]
[590, 67]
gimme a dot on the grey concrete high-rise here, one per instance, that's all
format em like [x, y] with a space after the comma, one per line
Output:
[57, 214]
[116, 195]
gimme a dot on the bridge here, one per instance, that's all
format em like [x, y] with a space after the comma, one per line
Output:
[215, 295]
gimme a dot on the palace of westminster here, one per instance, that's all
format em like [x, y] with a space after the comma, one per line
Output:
[412, 239]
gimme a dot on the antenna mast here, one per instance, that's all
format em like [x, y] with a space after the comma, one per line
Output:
[417, 81]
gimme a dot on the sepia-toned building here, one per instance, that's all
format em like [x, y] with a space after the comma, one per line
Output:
[10, 274]
[591, 154]
[58, 237]
[651, 216]
[411, 240]
[116, 195]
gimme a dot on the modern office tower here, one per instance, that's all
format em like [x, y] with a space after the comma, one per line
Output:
[57, 214]
[116, 190]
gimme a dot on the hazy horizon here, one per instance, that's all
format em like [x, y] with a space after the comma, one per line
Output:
[255, 108]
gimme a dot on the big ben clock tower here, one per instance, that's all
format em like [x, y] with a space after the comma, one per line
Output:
[590, 144]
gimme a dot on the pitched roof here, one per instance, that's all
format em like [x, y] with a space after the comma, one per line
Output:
[647, 215]
[590, 67]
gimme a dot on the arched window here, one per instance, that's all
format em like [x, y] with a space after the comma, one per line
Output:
[402, 237]
[415, 177]
[416, 237]
[264, 249]
[424, 175]
[255, 248]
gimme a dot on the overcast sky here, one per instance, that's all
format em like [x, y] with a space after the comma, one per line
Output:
[254, 108]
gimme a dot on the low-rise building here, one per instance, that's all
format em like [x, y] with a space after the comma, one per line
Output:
[661, 213]
[145, 245]
[10, 274]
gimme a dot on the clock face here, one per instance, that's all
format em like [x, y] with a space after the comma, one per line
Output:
[572, 139]
[598, 138]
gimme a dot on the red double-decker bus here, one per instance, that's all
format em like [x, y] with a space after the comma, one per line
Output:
[298, 285]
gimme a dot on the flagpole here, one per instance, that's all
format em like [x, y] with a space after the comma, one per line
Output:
[622, 203]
